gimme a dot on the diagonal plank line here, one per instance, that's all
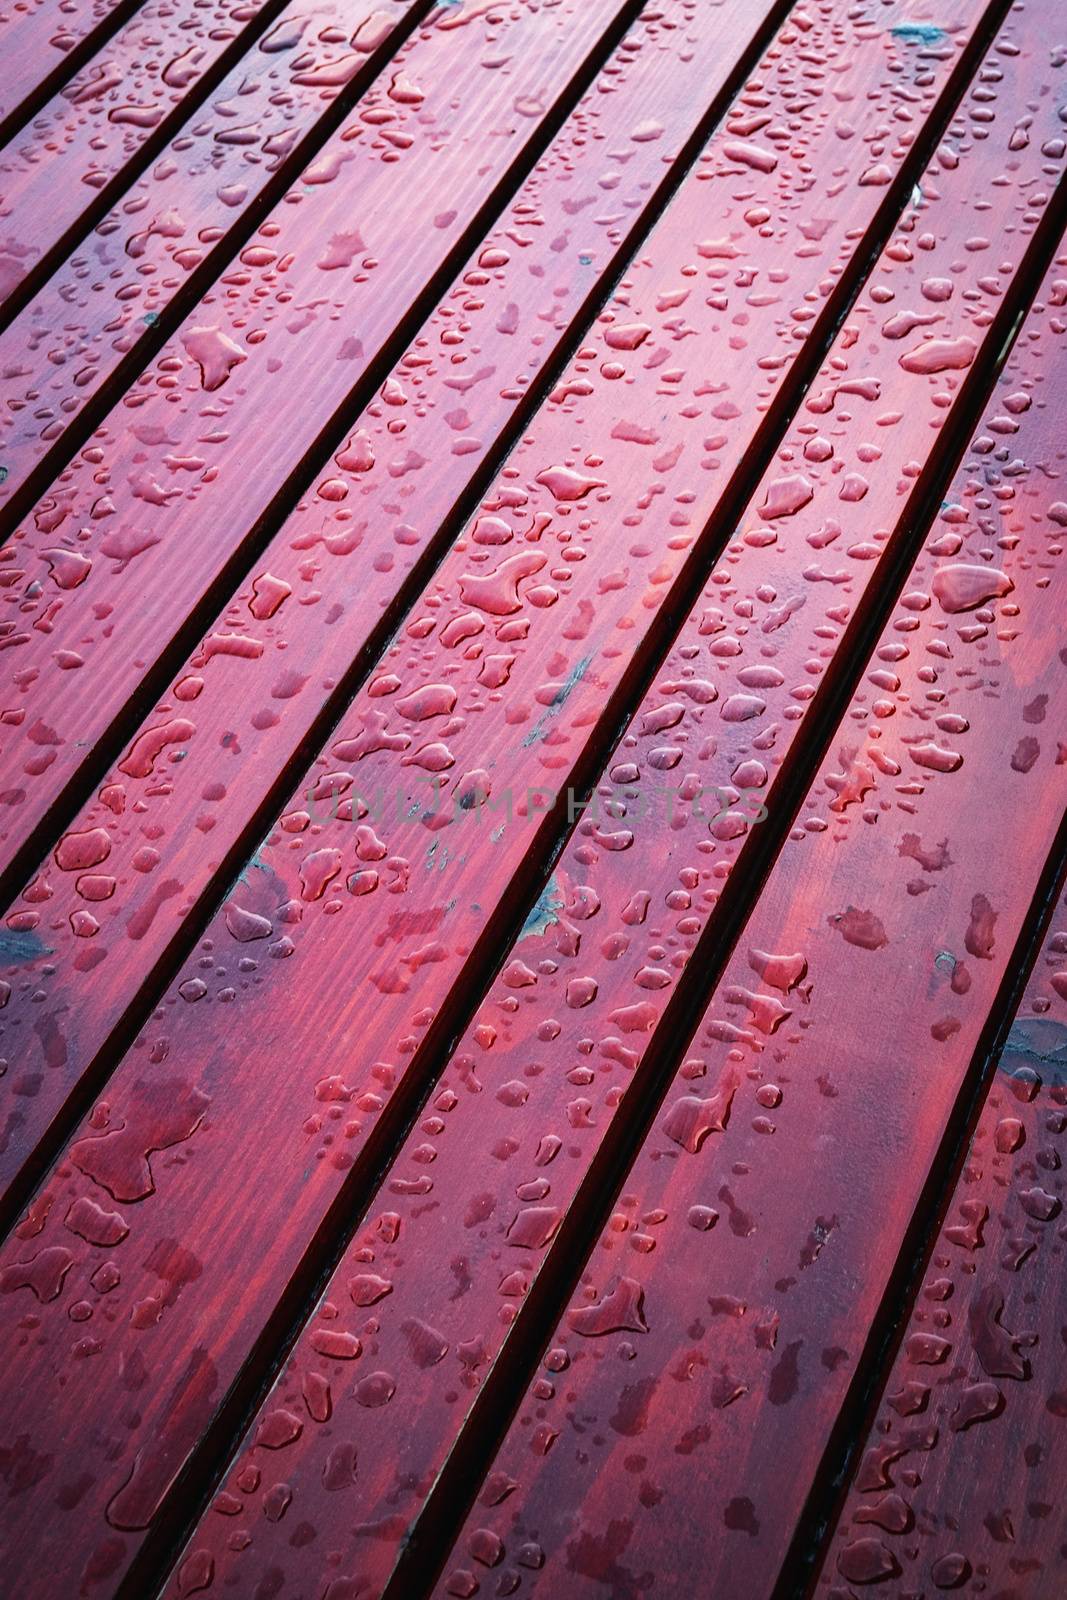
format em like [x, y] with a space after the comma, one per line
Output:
[453, 1494]
[215, 260]
[139, 162]
[66, 68]
[108, 748]
[874, 1366]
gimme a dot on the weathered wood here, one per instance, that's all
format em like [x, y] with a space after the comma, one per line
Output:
[962, 1473]
[300, 1049]
[380, 505]
[684, 1400]
[94, 312]
[77, 146]
[464, 1220]
[162, 499]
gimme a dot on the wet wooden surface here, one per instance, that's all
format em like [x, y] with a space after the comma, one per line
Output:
[532, 779]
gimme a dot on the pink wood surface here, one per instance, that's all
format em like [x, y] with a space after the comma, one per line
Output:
[274, 348]
[309, 1013]
[80, 142]
[405, 469]
[37, 38]
[102, 303]
[683, 1401]
[456, 1235]
[487, 1186]
[959, 1484]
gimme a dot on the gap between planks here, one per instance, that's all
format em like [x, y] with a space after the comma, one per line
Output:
[452, 1496]
[215, 261]
[819, 1520]
[67, 67]
[137, 163]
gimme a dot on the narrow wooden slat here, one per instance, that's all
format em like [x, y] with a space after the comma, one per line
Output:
[961, 1476]
[263, 361]
[305, 1010]
[458, 1233]
[39, 39]
[79, 144]
[683, 1402]
[87, 323]
[463, 377]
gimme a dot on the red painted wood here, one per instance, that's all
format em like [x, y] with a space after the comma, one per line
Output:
[261, 363]
[462, 376]
[960, 1480]
[69, 340]
[331, 1018]
[680, 1411]
[144, 899]
[79, 143]
[457, 1235]
[35, 36]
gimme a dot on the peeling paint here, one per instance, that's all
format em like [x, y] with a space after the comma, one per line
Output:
[545, 912]
[918, 33]
[18, 947]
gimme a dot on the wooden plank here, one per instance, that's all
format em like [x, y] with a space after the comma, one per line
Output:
[75, 151]
[961, 1474]
[262, 362]
[463, 1223]
[685, 1397]
[340, 1017]
[473, 360]
[84, 327]
[38, 38]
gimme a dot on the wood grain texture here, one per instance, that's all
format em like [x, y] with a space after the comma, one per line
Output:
[311, 605]
[304, 1001]
[960, 1480]
[36, 37]
[80, 142]
[95, 310]
[162, 498]
[463, 1223]
[524, 734]
[683, 1402]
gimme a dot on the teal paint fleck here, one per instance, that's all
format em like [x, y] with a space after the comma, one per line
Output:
[545, 912]
[257, 863]
[918, 33]
[20, 946]
[562, 695]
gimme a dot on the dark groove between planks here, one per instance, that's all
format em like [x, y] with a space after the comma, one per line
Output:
[138, 163]
[215, 262]
[818, 1520]
[66, 67]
